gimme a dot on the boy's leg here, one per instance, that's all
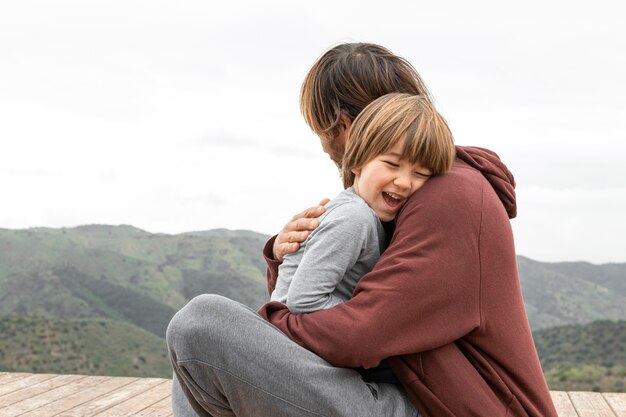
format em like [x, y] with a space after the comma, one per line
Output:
[231, 362]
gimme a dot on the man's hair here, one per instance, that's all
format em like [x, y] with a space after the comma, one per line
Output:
[395, 117]
[350, 76]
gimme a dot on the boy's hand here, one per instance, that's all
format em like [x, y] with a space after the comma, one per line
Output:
[297, 230]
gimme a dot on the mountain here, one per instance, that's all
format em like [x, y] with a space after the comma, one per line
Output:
[572, 292]
[120, 285]
[124, 273]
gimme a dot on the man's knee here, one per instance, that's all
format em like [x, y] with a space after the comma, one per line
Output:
[198, 319]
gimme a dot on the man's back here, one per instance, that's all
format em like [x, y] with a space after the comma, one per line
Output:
[490, 367]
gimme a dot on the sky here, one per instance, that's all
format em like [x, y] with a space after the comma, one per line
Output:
[184, 116]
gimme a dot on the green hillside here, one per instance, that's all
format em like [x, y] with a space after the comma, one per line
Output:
[123, 273]
[85, 346]
[97, 299]
[584, 357]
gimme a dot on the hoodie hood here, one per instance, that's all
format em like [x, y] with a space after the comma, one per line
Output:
[494, 170]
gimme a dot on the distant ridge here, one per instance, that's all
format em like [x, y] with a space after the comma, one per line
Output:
[230, 233]
[564, 293]
[170, 269]
[125, 273]
[106, 230]
[95, 229]
[100, 282]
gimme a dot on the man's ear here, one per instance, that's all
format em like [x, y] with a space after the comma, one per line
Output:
[344, 127]
[345, 122]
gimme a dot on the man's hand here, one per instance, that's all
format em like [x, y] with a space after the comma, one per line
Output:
[297, 230]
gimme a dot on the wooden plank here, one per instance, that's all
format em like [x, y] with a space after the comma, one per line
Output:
[42, 388]
[6, 377]
[617, 401]
[563, 404]
[38, 388]
[161, 409]
[20, 383]
[591, 404]
[141, 401]
[36, 401]
[82, 396]
[45, 395]
[111, 399]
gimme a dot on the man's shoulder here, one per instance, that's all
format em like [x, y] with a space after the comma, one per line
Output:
[460, 182]
[461, 175]
[458, 193]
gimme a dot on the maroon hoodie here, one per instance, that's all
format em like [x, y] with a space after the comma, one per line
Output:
[443, 303]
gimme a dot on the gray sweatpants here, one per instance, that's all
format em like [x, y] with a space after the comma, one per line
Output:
[228, 361]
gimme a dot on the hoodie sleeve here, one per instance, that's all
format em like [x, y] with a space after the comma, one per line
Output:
[422, 294]
[271, 273]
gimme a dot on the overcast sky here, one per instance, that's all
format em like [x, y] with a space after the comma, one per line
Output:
[182, 116]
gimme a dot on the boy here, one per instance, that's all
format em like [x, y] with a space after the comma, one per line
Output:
[395, 145]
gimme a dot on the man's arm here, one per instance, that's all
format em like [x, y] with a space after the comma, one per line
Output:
[423, 293]
[271, 272]
[297, 230]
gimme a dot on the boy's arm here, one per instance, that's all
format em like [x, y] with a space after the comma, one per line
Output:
[289, 239]
[331, 252]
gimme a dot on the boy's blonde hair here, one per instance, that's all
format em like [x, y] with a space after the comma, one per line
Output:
[394, 117]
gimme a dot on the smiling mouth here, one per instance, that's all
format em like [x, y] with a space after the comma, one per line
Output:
[392, 200]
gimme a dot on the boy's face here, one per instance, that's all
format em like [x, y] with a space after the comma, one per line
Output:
[386, 182]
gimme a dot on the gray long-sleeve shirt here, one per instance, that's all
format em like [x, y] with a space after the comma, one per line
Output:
[324, 271]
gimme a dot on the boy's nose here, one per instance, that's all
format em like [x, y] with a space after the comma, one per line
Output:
[403, 181]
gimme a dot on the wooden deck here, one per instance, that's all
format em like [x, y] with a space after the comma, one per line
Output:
[48, 395]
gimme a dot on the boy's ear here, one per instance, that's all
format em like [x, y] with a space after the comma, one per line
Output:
[356, 171]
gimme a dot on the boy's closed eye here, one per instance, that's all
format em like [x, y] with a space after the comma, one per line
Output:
[396, 164]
